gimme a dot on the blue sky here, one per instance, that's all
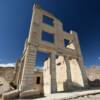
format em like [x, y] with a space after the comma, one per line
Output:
[82, 16]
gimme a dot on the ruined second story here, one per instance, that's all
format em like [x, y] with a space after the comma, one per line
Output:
[47, 34]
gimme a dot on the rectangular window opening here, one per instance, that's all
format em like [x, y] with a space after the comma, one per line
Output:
[41, 57]
[38, 80]
[46, 36]
[47, 20]
[66, 42]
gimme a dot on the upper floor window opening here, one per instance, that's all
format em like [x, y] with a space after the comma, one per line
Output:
[46, 36]
[47, 20]
[66, 42]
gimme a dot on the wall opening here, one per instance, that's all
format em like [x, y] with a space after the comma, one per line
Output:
[66, 43]
[46, 36]
[38, 80]
[40, 58]
[57, 56]
[58, 64]
[47, 20]
[71, 46]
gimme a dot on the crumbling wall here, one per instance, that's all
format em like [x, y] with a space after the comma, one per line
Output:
[38, 87]
[61, 74]
[46, 78]
[77, 78]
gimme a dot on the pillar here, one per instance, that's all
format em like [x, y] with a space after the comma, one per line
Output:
[84, 76]
[68, 73]
[80, 59]
[53, 72]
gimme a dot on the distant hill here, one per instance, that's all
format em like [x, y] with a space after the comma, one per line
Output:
[7, 73]
[93, 72]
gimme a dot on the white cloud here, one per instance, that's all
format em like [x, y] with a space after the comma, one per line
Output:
[7, 65]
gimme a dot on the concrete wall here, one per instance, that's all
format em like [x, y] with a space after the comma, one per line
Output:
[38, 87]
[61, 74]
[76, 74]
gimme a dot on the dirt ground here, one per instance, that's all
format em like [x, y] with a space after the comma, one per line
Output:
[89, 97]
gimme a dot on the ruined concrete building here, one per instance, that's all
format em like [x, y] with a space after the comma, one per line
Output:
[64, 68]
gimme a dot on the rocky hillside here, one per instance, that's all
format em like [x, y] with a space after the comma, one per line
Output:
[7, 73]
[93, 72]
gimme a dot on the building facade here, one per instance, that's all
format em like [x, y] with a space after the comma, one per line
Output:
[64, 68]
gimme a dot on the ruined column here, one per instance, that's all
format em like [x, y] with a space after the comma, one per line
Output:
[84, 76]
[53, 72]
[28, 69]
[80, 59]
[68, 73]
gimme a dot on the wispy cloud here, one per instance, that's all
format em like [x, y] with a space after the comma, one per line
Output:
[7, 65]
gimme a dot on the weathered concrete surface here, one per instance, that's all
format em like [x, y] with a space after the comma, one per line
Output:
[74, 95]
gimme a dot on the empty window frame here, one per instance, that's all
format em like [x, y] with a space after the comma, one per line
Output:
[66, 42]
[47, 20]
[38, 80]
[46, 36]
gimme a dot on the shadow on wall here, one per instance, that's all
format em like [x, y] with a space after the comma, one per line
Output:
[74, 86]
